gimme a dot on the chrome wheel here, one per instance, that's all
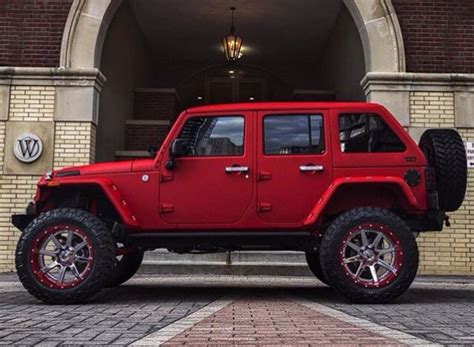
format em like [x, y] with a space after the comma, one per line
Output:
[61, 256]
[371, 255]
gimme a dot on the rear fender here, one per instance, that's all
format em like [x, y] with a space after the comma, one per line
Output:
[109, 189]
[318, 209]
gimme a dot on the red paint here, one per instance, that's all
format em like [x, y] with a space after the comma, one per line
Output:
[274, 194]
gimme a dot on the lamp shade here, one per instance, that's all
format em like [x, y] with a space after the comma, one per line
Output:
[232, 46]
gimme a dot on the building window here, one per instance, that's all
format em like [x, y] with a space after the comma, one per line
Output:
[367, 133]
[214, 136]
[293, 134]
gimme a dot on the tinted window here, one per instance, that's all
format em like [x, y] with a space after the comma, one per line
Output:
[293, 134]
[214, 136]
[367, 133]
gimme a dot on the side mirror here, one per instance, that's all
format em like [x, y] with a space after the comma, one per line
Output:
[179, 148]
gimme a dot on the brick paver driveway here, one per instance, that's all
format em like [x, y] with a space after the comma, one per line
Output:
[239, 310]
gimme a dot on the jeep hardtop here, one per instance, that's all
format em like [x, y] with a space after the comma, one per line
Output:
[343, 182]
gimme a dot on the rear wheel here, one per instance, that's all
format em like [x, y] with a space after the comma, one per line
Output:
[64, 255]
[369, 255]
[314, 264]
[127, 263]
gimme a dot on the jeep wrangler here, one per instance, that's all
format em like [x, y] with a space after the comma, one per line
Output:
[343, 182]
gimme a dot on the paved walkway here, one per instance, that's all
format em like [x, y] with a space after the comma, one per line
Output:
[205, 310]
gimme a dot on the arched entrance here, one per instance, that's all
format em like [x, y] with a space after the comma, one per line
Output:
[376, 21]
[313, 55]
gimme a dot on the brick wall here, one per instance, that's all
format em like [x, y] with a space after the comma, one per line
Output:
[432, 109]
[438, 34]
[32, 104]
[74, 143]
[138, 137]
[154, 104]
[452, 250]
[31, 31]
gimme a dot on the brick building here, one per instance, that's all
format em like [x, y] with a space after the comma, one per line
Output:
[101, 80]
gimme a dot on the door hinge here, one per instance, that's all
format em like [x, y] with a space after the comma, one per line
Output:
[166, 208]
[166, 178]
[264, 207]
[264, 176]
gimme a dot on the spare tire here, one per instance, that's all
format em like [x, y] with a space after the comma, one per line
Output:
[445, 152]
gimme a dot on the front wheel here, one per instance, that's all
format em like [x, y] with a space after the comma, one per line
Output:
[64, 255]
[369, 255]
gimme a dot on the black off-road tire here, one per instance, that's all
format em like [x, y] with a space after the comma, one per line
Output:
[314, 264]
[124, 269]
[334, 271]
[104, 252]
[445, 152]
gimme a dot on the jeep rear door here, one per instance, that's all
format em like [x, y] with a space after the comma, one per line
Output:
[212, 184]
[294, 164]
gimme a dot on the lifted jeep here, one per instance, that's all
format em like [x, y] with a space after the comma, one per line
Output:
[343, 182]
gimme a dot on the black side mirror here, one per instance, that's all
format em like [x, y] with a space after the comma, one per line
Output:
[178, 148]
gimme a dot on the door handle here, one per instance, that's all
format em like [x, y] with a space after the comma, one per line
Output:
[234, 169]
[311, 168]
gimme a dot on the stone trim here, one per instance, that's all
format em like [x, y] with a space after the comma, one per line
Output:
[51, 77]
[417, 82]
[393, 90]
[380, 33]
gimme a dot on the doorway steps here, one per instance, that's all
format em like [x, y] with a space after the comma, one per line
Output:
[246, 263]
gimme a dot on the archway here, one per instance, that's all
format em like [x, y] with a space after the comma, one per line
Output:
[354, 37]
[376, 20]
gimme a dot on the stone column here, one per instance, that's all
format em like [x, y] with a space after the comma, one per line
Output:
[59, 106]
[420, 102]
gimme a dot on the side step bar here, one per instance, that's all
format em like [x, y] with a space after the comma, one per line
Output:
[225, 240]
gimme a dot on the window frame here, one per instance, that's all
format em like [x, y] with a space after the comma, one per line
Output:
[348, 113]
[244, 135]
[308, 115]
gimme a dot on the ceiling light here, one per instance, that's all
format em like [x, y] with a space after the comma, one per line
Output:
[232, 43]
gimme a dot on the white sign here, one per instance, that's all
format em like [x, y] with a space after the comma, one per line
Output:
[470, 154]
[28, 148]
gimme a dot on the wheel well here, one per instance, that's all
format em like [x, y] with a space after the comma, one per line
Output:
[349, 196]
[88, 198]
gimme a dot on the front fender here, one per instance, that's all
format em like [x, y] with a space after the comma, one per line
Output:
[107, 186]
[319, 207]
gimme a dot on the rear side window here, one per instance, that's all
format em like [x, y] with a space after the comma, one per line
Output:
[293, 134]
[214, 136]
[367, 133]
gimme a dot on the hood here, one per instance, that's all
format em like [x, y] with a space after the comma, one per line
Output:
[109, 168]
[95, 169]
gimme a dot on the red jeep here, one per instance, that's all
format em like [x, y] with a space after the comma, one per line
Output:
[343, 182]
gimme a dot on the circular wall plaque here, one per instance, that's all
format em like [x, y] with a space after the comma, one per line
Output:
[28, 148]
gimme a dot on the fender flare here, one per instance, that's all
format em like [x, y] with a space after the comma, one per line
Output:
[320, 205]
[108, 188]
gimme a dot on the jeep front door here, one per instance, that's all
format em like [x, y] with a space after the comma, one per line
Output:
[211, 183]
[294, 165]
